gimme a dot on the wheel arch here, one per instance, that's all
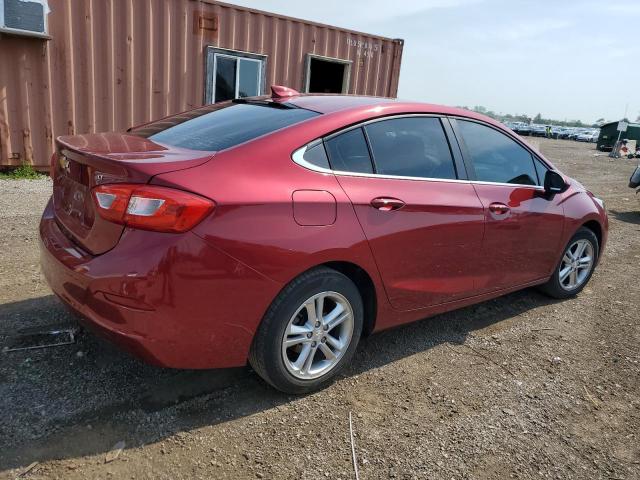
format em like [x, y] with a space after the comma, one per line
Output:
[363, 281]
[596, 228]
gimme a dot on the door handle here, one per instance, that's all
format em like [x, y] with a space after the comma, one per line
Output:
[499, 208]
[386, 204]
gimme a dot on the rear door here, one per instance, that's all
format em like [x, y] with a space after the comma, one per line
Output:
[423, 221]
[523, 224]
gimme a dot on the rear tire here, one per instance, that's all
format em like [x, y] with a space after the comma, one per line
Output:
[309, 333]
[576, 266]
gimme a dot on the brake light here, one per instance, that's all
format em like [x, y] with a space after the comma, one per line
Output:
[150, 207]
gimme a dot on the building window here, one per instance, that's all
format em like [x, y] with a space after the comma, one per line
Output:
[232, 74]
[326, 74]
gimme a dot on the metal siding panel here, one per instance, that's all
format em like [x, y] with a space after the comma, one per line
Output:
[36, 134]
[102, 65]
[159, 41]
[82, 54]
[22, 110]
[193, 75]
[10, 98]
[122, 60]
[4, 113]
[300, 41]
[111, 64]
[179, 22]
[140, 63]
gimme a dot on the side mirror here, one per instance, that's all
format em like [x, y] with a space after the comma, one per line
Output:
[554, 183]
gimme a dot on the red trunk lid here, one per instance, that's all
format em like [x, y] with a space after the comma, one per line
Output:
[84, 161]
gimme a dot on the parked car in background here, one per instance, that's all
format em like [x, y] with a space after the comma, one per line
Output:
[510, 125]
[278, 230]
[565, 133]
[555, 131]
[538, 130]
[522, 128]
[575, 133]
[591, 136]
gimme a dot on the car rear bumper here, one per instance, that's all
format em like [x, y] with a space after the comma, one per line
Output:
[171, 300]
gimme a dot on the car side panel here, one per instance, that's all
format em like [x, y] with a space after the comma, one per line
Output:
[254, 222]
[181, 304]
[428, 250]
[253, 187]
[520, 245]
[579, 208]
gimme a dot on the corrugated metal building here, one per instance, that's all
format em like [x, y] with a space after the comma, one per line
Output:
[102, 65]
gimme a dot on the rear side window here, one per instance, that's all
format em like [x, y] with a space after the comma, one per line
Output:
[496, 157]
[317, 156]
[214, 129]
[348, 152]
[411, 147]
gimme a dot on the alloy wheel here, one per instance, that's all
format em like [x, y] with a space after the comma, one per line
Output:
[317, 335]
[576, 264]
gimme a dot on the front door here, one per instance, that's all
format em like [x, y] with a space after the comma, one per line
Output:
[523, 224]
[423, 225]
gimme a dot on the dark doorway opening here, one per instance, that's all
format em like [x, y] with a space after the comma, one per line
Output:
[326, 76]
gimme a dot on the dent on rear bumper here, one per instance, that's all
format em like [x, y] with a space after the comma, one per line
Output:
[172, 300]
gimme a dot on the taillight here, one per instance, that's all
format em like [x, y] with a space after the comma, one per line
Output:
[149, 207]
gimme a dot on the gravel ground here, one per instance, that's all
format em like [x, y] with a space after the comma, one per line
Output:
[518, 387]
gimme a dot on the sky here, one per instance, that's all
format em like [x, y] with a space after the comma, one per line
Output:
[565, 59]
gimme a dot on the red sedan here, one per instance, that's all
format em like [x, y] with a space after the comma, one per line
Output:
[280, 230]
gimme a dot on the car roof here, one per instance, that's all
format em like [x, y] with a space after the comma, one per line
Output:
[329, 103]
[332, 103]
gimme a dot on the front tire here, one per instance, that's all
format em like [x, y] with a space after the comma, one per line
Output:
[576, 266]
[309, 333]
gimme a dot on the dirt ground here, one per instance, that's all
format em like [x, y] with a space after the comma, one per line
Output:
[476, 393]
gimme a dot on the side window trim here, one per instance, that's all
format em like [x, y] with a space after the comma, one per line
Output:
[298, 157]
[466, 157]
[454, 148]
[371, 155]
[469, 163]
[462, 160]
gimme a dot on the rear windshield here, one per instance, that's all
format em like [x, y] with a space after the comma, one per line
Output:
[216, 127]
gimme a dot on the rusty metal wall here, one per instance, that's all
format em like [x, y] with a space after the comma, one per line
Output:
[111, 64]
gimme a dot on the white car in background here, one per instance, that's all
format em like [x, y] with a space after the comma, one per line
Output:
[588, 136]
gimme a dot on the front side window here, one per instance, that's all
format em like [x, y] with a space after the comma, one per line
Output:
[541, 170]
[348, 152]
[411, 147]
[496, 157]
